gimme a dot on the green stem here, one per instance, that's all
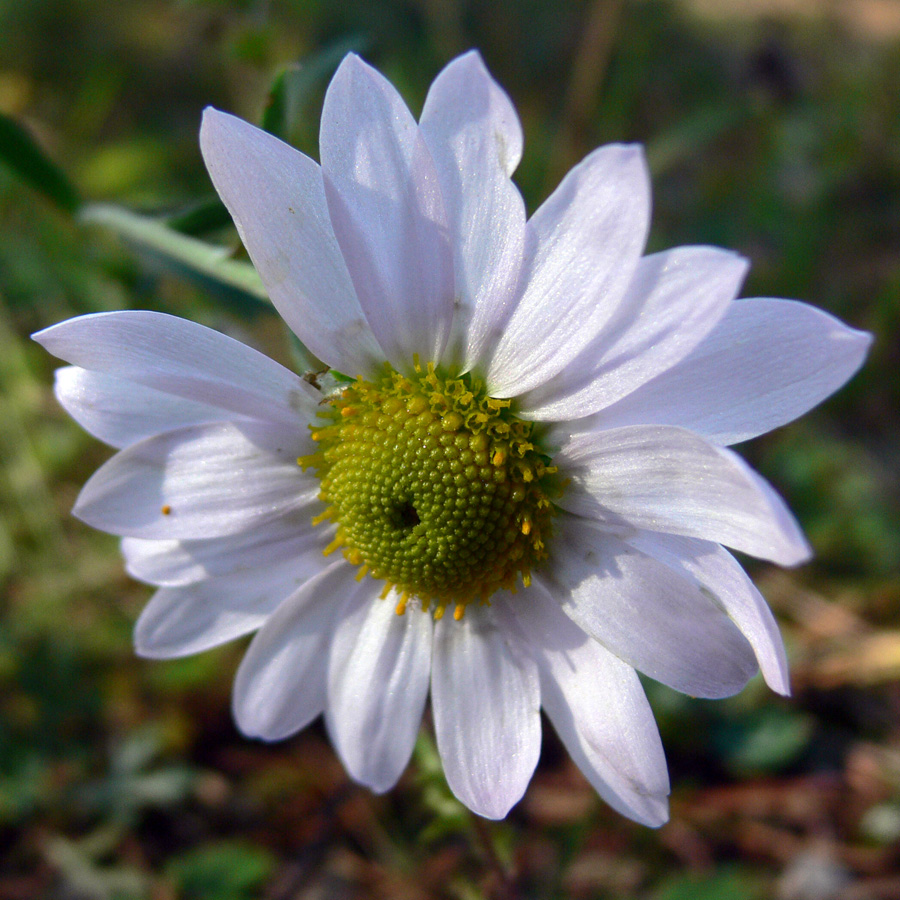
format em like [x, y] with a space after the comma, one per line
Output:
[506, 887]
[481, 832]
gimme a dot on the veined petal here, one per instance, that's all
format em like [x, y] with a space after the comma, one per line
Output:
[465, 93]
[174, 563]
[474, 135]
[596, 704]
[766, 363]
[199, 482]
[180, 621]
[674, 300]
[486, 700]
[666, 479]
[280, 683]
[718, 573]
[583, 245]
[120, 412]
[276, 197]
[647, 615]
[184, 359]
[378, 674]
[385, 202]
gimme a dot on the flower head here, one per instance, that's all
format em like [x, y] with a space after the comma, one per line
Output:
[527, 429]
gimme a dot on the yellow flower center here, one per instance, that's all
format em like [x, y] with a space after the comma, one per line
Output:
[436, 488]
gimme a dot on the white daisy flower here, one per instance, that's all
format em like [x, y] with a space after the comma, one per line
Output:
[531, 436]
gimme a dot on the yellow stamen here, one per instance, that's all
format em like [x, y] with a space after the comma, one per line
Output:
[321, 517]
[337, 542]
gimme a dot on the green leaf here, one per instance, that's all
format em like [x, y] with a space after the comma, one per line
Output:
[692, 135]
[21, 153]
[767, 740]
[201, 217]
[294, 86]
[733, 882]
[227, 870]
[84, 876]
[206, 264]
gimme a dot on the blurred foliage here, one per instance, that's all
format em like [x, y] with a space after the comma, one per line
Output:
[776, 136]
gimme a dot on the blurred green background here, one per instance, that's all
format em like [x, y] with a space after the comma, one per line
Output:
[772, 128]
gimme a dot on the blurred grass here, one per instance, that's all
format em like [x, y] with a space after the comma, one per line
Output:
[775, 136]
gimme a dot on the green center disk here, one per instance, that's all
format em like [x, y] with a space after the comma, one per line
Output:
[436, 488]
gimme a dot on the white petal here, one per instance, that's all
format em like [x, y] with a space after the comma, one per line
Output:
[465, 83]
[184, 620]
[584, 244]
[766, 363]
[204, 481]
[174, 563]
[120, 412]
[280, 684]
[597, 705]
[378, 675]
[184, 359]
[672, 303]
[642, 611]
[386, 208]
[276, 197]
[473, 133]
[671, 480]
[719, 574]
[486, 700]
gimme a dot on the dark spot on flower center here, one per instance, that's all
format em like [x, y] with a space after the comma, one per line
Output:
[407, 515]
